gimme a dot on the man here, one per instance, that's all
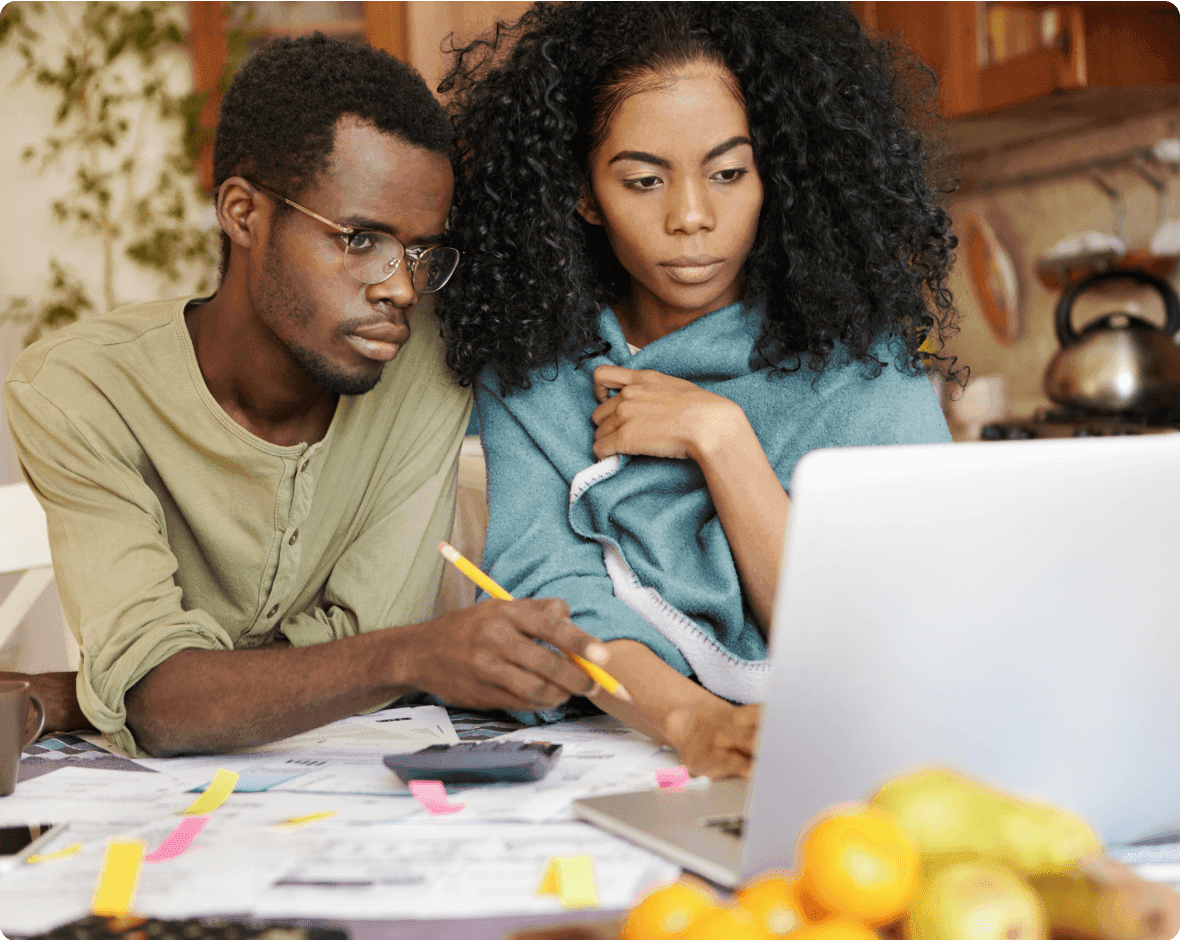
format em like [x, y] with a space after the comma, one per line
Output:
[233, 482]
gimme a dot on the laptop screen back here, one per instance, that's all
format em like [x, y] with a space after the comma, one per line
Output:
[1011, 610]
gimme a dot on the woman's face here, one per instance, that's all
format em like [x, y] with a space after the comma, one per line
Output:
[675, 187]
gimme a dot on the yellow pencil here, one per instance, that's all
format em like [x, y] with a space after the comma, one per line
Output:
[598, 674]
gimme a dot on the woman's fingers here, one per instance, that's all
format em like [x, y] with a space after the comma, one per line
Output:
[717, 743]
[609, 378]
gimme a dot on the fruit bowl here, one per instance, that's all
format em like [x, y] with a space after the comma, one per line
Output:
[932, 855]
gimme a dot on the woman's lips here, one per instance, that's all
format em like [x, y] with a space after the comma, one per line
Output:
[379, 341]
[695, 270]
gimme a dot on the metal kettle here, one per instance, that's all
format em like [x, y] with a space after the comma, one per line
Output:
[1119, 363]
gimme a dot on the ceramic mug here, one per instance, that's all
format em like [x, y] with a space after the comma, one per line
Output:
[15, 696]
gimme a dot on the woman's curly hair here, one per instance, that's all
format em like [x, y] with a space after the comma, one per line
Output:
[852, 247]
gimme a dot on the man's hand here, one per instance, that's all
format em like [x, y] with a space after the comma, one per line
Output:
[717, 740]
[58, 692]
[486, 656]
[657, 415]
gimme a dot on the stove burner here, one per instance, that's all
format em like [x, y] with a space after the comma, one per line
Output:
[1071, 422]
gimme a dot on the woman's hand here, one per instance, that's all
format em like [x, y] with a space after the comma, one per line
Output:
[657, 415]
[716, 740]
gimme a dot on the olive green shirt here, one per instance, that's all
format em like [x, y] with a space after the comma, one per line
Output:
[173, 527]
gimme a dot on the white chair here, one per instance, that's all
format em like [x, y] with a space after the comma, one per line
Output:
[24, 549]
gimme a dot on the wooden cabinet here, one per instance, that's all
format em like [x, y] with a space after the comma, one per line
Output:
[991, 58]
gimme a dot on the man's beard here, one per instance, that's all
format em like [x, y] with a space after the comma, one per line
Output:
[316, 366]
[332, 378]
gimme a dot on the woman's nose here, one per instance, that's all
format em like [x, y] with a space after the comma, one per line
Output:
[691, 208]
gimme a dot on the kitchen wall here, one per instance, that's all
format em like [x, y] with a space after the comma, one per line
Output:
[1029, 219]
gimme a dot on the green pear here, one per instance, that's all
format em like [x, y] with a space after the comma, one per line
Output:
[953, 818]
[976, 901]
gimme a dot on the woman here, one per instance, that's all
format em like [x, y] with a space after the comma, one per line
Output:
[699, 242]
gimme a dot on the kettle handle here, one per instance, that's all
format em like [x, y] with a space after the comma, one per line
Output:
[1061, 318]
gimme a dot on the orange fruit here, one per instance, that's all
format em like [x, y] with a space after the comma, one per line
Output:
[813, 912]
[773, 901]
[667, 912]
[727, 923]
[837, 928]
[857, 862]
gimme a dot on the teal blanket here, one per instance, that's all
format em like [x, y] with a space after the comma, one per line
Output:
[633, 544]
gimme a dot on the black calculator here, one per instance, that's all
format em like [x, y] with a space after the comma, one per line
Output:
[476, 762]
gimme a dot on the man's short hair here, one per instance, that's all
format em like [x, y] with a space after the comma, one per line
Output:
[278, 118]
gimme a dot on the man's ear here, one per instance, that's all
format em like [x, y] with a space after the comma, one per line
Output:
[239, 210]
[588, 208]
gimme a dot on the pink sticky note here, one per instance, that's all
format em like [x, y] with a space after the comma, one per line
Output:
[178, 843]
[432, 795]
[672, 777]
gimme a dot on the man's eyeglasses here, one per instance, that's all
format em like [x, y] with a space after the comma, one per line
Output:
[373, 257]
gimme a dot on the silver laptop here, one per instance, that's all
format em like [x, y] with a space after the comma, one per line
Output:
[1011, 610]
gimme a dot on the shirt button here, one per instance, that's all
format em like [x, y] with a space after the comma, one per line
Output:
[274, 610]
[294, 537]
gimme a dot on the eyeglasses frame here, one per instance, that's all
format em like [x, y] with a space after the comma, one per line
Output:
[413, 255]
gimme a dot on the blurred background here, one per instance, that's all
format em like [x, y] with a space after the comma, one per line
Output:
[1061, 128]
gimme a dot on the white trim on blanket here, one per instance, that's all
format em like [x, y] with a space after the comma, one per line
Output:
[739, 680]
[595, 473]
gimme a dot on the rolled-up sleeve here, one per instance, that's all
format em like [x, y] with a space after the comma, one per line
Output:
[114, 568]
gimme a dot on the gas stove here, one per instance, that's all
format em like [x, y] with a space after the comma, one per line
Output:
[1077, 423]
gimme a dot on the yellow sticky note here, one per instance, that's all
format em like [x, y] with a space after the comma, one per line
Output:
[118, 878]
[571, 878]
[61, 853]
[296, 821]
[549, 883]
[215, 794]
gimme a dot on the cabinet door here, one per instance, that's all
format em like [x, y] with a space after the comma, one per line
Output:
[994, 55]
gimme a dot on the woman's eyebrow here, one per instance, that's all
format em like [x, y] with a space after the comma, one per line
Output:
[643, 157]
[640, 156]
[725, 147]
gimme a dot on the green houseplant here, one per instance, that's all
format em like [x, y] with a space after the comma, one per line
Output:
[112, 73]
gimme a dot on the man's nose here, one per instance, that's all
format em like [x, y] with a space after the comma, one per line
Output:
[397, 289]
[690, 209]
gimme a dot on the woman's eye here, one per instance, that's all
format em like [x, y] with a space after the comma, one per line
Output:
[730, 174]
[642, 182]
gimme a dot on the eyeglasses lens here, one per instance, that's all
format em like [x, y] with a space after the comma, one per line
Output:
[373, 257]
[434, 268]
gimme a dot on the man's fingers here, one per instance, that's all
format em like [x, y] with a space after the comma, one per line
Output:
[534, 690]
[563, 633]
[550, 666]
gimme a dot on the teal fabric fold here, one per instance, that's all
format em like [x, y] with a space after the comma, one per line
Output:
[634, 544]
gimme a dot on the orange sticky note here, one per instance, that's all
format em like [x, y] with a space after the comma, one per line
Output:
[215, 794]
[118, 878]
[571, 878]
